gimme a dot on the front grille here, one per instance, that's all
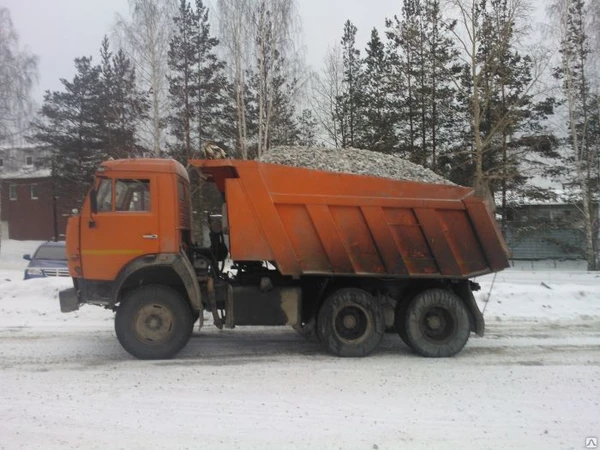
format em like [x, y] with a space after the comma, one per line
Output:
[62, 272]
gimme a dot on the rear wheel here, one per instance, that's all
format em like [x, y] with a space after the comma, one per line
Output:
[350, 323]
[153, 322]
[436, 323]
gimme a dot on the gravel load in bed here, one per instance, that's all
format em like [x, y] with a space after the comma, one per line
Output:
[352, 160]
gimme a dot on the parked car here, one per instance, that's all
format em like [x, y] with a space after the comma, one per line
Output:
[49, 260]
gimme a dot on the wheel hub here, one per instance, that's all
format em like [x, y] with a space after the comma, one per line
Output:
[351, 323]
[434, 322]
[438, 324]
[153, 323]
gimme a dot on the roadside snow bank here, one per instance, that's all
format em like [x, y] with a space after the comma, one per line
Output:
[34, 303]
[544, 296]
[519, 295]
[352, 160]
[11, 253]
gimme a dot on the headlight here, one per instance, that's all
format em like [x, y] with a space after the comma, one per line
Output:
[34, 271]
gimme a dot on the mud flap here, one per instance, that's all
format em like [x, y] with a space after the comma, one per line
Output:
[463, 290]
[69, 301]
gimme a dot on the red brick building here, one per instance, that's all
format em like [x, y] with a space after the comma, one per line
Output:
[29, 208]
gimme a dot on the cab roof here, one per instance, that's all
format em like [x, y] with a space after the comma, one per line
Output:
[153, 165]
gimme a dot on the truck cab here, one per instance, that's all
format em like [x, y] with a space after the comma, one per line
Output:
[133, 229]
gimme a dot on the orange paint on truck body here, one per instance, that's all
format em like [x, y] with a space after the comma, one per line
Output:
[306, 222]
[144, 213]
[315, 222]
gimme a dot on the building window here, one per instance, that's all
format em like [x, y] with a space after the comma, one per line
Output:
[33, 189]
[30, 160]
[12, 192]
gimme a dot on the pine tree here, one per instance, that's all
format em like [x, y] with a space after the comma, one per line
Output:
[423, 62]
[278, 99]
[183, 62]
[284, 128]
[377, 132]
[71, 123]
[406, 35]
[440, 93]
[350, 100]
[123, 105]
[307, 129]
[200, 98]
[213, 95]
[199, 91]
[95, 118]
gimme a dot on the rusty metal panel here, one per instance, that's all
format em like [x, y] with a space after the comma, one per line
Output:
[330, 238]
[466, 247]
[357, 239]
[246, 237]
[486, 229]
[410, 241]
[383, 239]
[312, 222]
[436, 234]
[267, 218]
[305, 238]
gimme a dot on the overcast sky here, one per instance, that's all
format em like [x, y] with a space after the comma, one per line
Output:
[60, 30]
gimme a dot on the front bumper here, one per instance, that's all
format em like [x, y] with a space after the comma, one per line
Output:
[69, 301]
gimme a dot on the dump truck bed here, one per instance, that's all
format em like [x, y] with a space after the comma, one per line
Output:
[311, 222]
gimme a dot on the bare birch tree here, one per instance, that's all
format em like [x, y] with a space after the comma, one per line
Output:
[18, 74]
[574, 73]
[327, 88]
[276, 24]
[471, 34]
[235, 34]
[145, 37]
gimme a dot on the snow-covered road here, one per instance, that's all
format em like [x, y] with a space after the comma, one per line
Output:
[532, 382]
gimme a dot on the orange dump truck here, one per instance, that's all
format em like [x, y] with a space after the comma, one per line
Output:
[346, 256]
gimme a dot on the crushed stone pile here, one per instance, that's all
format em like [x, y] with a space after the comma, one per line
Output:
[352, 160]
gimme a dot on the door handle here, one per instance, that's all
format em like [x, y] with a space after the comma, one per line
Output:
[150, 236]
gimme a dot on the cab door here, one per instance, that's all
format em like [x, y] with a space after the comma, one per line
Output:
[125, 226]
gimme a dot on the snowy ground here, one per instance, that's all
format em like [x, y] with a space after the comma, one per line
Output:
[532, 382]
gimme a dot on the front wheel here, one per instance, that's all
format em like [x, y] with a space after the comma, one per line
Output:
[350, 323]
[153, 322]
[436, 323]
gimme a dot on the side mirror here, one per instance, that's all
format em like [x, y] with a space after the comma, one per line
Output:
[27, 257]
[93, 201]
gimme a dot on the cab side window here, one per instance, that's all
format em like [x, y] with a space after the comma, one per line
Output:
[104, 195]
[132, 195]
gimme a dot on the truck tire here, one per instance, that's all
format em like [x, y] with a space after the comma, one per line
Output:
[350, 323]
[153, 322]
[436, 323]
